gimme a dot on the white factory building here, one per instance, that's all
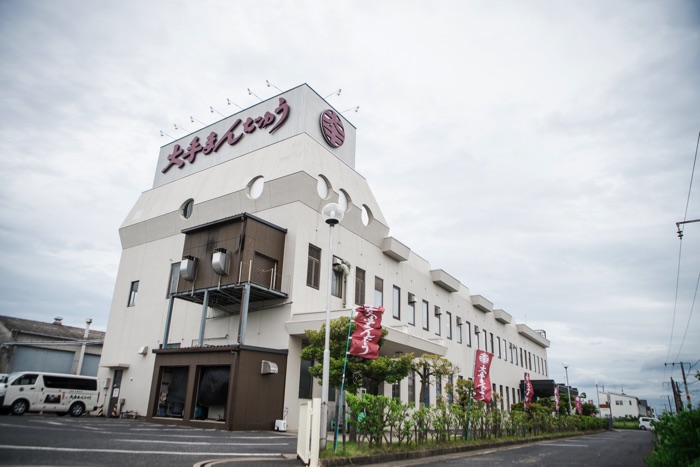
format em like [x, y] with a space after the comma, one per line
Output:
[225, 263]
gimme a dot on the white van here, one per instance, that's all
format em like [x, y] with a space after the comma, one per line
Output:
[32, 391]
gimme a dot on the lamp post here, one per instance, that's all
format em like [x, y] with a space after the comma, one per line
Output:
[332, 214]
[568, 388]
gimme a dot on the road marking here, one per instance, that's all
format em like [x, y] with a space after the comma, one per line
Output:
[160, 453]
[199, 443]
[565, 445]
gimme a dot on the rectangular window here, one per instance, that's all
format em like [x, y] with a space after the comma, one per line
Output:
[337, 278]
[438, 389]
[411, 388]
[450, 390]
[359, 286]
[396, 391]
[438, 322]
[459, 333]
[378, 291]
[396, 303]
[426, 317]
[491, 341]
[448, 328]
[132, 293]
[174, 279]
[411, 309]
[306, 381]
[469, 334]
[313, 268]
[499, 346]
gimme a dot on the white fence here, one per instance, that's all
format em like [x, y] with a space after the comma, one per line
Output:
[309, 428]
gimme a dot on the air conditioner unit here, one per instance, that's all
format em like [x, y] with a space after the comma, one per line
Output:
[268, 368]
[459, 321]
[188, 268]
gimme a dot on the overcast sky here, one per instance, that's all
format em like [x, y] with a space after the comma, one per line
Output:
[539, 151]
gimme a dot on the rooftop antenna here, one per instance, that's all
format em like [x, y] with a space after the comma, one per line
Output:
[192, 119]
[251, 93]
[356, 108]
[337, 93]
[212, 110]
[270, 84]
[180, 128]
[229, 102]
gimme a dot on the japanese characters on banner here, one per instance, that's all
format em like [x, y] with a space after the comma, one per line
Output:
[556, 398]
[529, 391]
[482, 377]
[368, 330]
[579, 409]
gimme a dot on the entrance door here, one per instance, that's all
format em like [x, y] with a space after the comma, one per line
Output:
[114, 397]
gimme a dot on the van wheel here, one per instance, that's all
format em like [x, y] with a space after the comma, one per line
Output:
[643, 428]
[76, 410]
[19, 407]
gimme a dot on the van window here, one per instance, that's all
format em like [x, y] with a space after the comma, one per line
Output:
[25, 380]
[63, 382]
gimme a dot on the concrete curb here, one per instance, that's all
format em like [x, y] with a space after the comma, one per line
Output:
[420, 454]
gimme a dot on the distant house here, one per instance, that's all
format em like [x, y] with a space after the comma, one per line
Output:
[621, 405]
[27, 345]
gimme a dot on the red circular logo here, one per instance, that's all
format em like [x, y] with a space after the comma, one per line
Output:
[332, 128]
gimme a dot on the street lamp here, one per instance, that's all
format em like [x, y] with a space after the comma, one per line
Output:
[568, 388]
[332, 214]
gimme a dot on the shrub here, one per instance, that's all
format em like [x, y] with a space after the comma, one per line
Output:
[678, 440]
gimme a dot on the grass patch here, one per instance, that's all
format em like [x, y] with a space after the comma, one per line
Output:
[626, 425]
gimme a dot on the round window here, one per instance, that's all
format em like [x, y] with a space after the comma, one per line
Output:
[323, 187]
[366, 215]
[255, 187]
[186, 208]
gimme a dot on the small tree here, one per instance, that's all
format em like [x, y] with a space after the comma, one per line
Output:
[430, 365]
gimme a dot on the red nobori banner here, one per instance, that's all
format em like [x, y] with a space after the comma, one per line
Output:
[579, 407]
[482, 378]
[368, 331]
[529, 391]
[556, 397]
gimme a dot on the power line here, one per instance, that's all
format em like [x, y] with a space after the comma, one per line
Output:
[690, 315]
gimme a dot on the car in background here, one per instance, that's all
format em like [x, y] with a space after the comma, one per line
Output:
[645, 423]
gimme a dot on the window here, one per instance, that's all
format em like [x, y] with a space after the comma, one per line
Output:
[396, 391]
[499, 346]
[426, 324]
[337, 278]
[411, 309]
[469, 334]
[378, 291]
[448, 329]
[359, 286]
[174, 278]
[396, 312]
[491, 341]
[313, 268]
[132, 293]
[618, 402]
[186, 208]
[412, 387]
[426, 385]
[438, 322]
[305, 379]
[450, 390]
[438, 389]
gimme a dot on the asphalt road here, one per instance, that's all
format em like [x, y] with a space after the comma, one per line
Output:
[49, 440]
[618, 448]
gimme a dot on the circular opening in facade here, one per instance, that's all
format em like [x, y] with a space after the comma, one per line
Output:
[186, 208]
[366, 215]
[323, 187]
[255, 187]
[344, 200]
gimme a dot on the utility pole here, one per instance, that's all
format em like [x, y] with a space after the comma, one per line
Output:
[685, 384]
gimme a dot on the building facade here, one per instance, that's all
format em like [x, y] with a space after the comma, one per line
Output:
[225, 264]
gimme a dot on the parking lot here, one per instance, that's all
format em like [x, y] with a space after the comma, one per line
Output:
[95, 441]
